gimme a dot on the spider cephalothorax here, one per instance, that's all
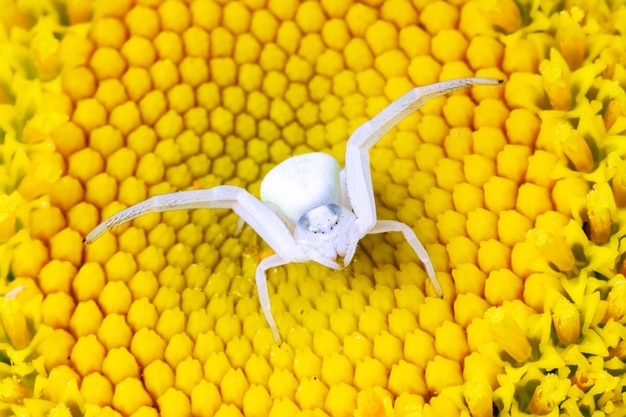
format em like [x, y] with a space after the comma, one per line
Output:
[310, 209]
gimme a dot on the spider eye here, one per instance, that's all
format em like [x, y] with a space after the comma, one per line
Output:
[321, 220]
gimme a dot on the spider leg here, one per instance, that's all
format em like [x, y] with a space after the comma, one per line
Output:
[264, 296]
[383, 226]
[357, 171]
[261, 218]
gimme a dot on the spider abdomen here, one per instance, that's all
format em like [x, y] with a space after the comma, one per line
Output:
[302, 183]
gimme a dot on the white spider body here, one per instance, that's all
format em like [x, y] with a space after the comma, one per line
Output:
[302, 183]
[306, 192]
[311, 210]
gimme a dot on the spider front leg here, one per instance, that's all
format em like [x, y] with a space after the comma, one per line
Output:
[357, 171]
[358, 179]
[260, 217]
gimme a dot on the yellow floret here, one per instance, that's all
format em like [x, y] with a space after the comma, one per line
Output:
[553, 247]
[566, 319]
[311, 393]
[87, 355]
[119, 364]
[369, 373]
[538, 287]
[509, 334]
[525, 90]
[96, 389]
[150, 260]
[142, 21]
[234, 386]
[503, 285]
[568, 192]
[45, 222]
[108, 31]
[503, 13]
[13, 320]
[493, 255]
[112, 92]
[381, 36]
[89, 114]
[57, 347]
[74, 50]
[158, 377]
[467, 307]
[458, 112]
[481, 225]
[107, 139]
[310, 17]
[341, 399]
[188, 375]
[125, 117]
[600, 208]
[56, 276]
[62, 385]
[468, 278]
[467, 197]
[522, 127]
[236, 18]
[282, 384]
[115, 297]
[462, 250]
[107, 63]
[484, 52]
[548, 394]
[114, 331]
[86, 318]
[451, 224]
[478, 366]
[82, 217]
[79, 83]
[478, 396]
[441, 373]
[129, 395]
[570, 37]
[450, 341]
[139, 52]
[400, 12]
[174, 16]
[512, 227]
[56, 310]
[85, 164]
[263, 25]
[101, 190]
[501, 194]
[67, 245]
[513, 162]
[68, 138]
[448, 45]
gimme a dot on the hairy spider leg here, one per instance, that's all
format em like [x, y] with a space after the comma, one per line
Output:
[358, 178]
[271, 261]
[259, 216]
[383, 226]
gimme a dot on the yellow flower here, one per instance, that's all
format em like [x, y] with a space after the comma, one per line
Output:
[517, 193]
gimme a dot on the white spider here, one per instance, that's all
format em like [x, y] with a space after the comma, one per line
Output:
[310, 209]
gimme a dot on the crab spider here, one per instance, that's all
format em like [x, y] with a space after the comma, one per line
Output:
[310, 209]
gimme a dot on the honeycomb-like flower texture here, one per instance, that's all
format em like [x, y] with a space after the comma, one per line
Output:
[517, 192]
